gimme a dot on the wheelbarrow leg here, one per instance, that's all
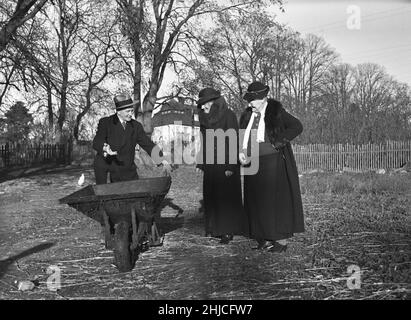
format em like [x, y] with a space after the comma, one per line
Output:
[142, 236]
[156, 239]
[134, 238]
[122, 253]
[140, 240]
[108, 235]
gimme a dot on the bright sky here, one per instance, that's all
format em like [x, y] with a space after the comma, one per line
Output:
[384, 36]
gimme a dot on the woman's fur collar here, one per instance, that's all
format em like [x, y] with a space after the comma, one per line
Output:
[272, 115]
[272, 119]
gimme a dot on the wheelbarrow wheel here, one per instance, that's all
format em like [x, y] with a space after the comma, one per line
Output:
[122, 254]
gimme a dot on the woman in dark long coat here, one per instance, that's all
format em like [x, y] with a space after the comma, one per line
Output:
[272, 197]
[223, 210]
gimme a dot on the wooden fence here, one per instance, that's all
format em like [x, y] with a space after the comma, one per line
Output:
[25, 155]
[338, 157]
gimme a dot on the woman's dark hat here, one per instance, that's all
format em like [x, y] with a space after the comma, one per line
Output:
[256, 91]
[206, 95]
[123, 101]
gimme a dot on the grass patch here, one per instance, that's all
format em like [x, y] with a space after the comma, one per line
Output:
[351, 219]
[361, 183]
[364, 220]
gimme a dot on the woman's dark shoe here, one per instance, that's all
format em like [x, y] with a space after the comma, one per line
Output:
[276, 247]
[263, 245]
[270, 246]
[225, 239]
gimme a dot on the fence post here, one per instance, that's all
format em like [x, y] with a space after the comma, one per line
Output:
[60, 156]
[7, 155]
[69, 150]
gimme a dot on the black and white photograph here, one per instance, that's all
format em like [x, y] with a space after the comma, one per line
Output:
[204, 156]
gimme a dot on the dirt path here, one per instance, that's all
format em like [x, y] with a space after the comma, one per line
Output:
[37, 232]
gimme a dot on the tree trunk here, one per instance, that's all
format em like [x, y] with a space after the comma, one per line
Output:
[79, 117]
[63, 95]
[64, 71]
[148, 106]
[50, 106]
[137, 82]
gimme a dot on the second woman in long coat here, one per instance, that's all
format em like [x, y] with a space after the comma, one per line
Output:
[272, 197]
[224, 213]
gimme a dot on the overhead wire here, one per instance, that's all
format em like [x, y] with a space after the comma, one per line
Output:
[370, 54]
[341, 23]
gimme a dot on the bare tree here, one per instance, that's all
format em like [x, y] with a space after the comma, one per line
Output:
[240, 49]
[24, 11]
[337, 121]
[165, 27]
[38, 63]
[8, 74]
[372, 93]
[134, 26]
[21, 63]
[308, 61]
[96, 65]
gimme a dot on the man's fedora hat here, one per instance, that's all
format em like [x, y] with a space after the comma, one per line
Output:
[207, 94]
[123, 101]
[256, 91]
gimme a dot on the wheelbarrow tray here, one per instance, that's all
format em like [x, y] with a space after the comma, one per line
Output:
[144, 195]
[127, 210]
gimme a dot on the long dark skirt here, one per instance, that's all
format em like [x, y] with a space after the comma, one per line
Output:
[268, 200]
[223, 210]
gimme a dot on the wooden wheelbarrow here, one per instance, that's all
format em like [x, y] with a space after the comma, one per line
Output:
[128, 212]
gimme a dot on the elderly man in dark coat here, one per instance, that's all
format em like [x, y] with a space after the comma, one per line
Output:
[272, 197]
[223, 210]
[115, 143]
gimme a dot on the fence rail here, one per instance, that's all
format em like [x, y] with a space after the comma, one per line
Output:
[337, 157]
[24, 155]
[388, 155]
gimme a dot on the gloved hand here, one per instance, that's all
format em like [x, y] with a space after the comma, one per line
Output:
[243, 158]
[280, 144]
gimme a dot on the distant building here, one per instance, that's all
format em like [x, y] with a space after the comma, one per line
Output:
[176, 127]
[174, 111]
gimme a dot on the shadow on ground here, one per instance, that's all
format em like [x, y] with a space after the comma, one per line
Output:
[167, 202]
[4, 264]
[169, 224]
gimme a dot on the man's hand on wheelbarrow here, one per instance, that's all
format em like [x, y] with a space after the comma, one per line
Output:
[107, 150]
[166, 167]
